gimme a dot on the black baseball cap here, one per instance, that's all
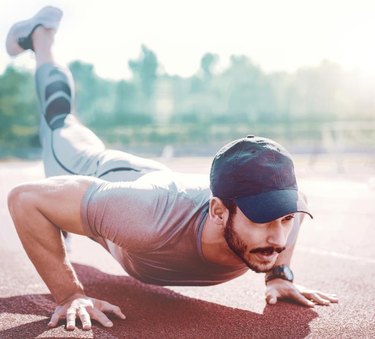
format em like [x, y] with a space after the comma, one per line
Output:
[258, 174]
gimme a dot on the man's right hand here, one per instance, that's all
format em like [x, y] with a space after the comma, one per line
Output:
[86, 309]
[33, 207]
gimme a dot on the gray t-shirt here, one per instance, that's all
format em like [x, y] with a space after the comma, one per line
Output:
[153, 227]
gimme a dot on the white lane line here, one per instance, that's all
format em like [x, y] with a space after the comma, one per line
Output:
[336, 255]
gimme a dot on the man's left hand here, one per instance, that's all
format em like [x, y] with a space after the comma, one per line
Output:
[283, 289]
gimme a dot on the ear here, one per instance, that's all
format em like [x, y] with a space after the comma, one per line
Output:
[219, 214]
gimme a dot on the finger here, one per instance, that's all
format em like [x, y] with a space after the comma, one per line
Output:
[318, 299]
[301, 299]
[70, 319]
[101, 318]
[331, 297]
[54, 319]
[271, 297]
[85, 318]
[107, 307]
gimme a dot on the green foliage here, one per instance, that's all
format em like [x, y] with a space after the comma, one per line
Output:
[208, 63]
[144, 71]
[18, 120]
[209, 107]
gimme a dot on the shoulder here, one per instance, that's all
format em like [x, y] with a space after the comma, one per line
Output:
[57, 198]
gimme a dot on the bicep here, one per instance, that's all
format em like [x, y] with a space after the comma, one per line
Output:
[59, 200]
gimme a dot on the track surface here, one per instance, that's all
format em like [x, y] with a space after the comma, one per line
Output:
[335, 253]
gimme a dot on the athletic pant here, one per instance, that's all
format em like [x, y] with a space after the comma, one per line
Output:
[68, 146]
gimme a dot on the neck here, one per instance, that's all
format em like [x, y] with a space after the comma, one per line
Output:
[214, 246]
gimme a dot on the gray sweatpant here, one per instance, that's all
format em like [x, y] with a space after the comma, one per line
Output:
[68, 146]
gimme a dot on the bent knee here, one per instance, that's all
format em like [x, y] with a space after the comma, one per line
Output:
[19, 198]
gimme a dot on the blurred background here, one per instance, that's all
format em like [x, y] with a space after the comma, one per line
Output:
[181, 78]
[176, 80]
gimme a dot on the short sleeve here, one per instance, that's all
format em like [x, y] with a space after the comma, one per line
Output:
[130, 214]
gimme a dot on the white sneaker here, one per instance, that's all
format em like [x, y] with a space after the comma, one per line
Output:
[19, 36]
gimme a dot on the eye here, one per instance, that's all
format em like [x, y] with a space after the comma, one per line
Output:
[289, 217]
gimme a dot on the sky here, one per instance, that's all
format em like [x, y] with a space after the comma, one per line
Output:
[277, 35]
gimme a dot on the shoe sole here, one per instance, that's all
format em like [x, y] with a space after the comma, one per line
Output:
[49, 17]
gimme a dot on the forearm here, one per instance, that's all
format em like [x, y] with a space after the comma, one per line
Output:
[43, 244]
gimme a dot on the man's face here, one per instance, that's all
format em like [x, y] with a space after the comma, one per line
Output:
[258, 245]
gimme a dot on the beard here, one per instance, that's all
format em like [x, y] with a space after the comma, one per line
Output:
[250, 258]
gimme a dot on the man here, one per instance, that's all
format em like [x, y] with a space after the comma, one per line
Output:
[162, 227]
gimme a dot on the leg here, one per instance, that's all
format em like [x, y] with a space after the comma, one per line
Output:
[68, 146]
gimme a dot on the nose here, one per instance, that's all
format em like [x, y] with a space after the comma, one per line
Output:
[277, 236]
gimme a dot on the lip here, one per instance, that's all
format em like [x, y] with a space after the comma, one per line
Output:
[266, 258]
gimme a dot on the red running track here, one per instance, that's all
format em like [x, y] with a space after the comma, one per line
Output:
[335, 253]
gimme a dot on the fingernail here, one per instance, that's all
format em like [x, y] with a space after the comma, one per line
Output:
[109, 324]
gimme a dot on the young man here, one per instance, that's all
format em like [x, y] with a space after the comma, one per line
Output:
[162, 227]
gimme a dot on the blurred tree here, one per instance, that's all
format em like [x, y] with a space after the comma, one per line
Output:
[120, 100]
[145, 70]
[206, 105]
[95, 96]
[315, 92]
[208, 63]
[85, 88]
[201, 102]
[126, 106]
[18, 109]
[248, 92]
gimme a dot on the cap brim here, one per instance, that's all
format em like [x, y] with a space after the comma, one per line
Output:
[269, 206]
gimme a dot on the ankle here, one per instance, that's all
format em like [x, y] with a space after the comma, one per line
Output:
[43, 38]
